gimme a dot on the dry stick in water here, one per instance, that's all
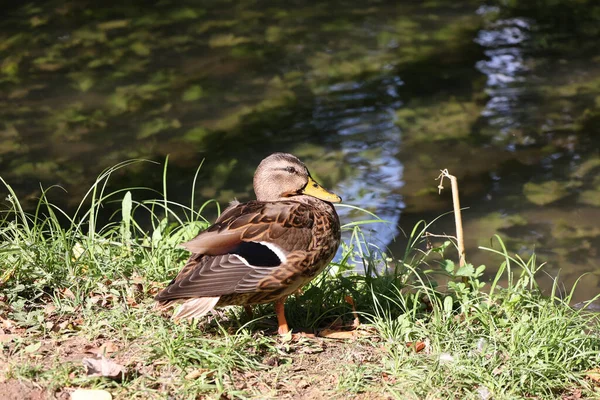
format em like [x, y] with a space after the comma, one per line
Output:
[460, 241]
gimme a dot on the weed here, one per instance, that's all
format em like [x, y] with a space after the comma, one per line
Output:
[71, 286]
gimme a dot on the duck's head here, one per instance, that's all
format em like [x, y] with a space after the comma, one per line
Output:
[281, 176]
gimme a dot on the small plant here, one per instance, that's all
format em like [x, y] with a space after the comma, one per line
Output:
[73, 287]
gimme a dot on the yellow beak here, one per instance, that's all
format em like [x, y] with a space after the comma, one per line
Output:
[313, 189]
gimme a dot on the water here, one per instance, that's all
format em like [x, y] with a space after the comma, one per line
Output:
[376, 97]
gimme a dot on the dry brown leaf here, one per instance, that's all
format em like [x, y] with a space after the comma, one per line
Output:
[60, 326]
[95, 299]
[311, 347]
[575, 394]
[90, 394]
[6, 337]
[341, 335]
[49, 309]
[68, 293]
[7, 323]
[593, 375]
[418, 346]
[102, 366]
[104, 349]
[131, 301]
[498, 370]
[197, 373]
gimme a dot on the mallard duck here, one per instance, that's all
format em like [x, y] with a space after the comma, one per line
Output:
[263, 250]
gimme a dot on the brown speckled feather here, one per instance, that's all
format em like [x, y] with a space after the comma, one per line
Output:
[295, 227]
[287, 222]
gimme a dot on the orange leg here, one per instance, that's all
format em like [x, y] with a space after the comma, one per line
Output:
[356, 322]
[280, 312]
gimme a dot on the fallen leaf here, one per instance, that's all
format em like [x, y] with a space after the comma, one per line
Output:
[498, 370]
[484, 393]
[195, 374]
[102, 366]
[7, 323]
[287, 337]
[102, 299]
[7, 337]
[32, 348]
[61, 326]
[311, 347]
[593, 375]
[271, 361]
[333, 334]
[105, 349]
[575, 394]
[78, 251]
[68, 293]
[418, 346]
[388, 378]
[90, 394]
[49, 309]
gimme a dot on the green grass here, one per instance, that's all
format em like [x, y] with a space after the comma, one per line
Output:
[70, 285]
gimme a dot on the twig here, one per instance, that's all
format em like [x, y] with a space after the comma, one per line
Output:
[428, 234]
[457, 215]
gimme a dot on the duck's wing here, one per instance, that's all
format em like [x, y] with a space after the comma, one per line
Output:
[243, 251]
[285, 224]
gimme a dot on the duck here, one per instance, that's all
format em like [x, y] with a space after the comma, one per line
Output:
[260, 251]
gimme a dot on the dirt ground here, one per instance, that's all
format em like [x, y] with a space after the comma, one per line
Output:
[15, 390]
[305, 368]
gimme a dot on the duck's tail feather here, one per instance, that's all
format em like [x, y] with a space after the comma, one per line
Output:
[196, 307]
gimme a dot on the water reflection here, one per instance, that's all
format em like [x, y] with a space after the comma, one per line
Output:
[364, 119]
[505, 68]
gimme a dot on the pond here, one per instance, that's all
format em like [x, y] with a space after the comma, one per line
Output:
[375, 96]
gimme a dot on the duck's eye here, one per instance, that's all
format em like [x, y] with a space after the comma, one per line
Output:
[291, 170]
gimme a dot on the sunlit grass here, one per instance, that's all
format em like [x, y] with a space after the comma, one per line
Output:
[70, 285]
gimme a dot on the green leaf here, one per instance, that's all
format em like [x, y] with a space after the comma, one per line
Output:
[466, 270]
[32, 348]
[448, 266]
[126, 206]
[448, 303]
[157, 235]
[442, 248]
